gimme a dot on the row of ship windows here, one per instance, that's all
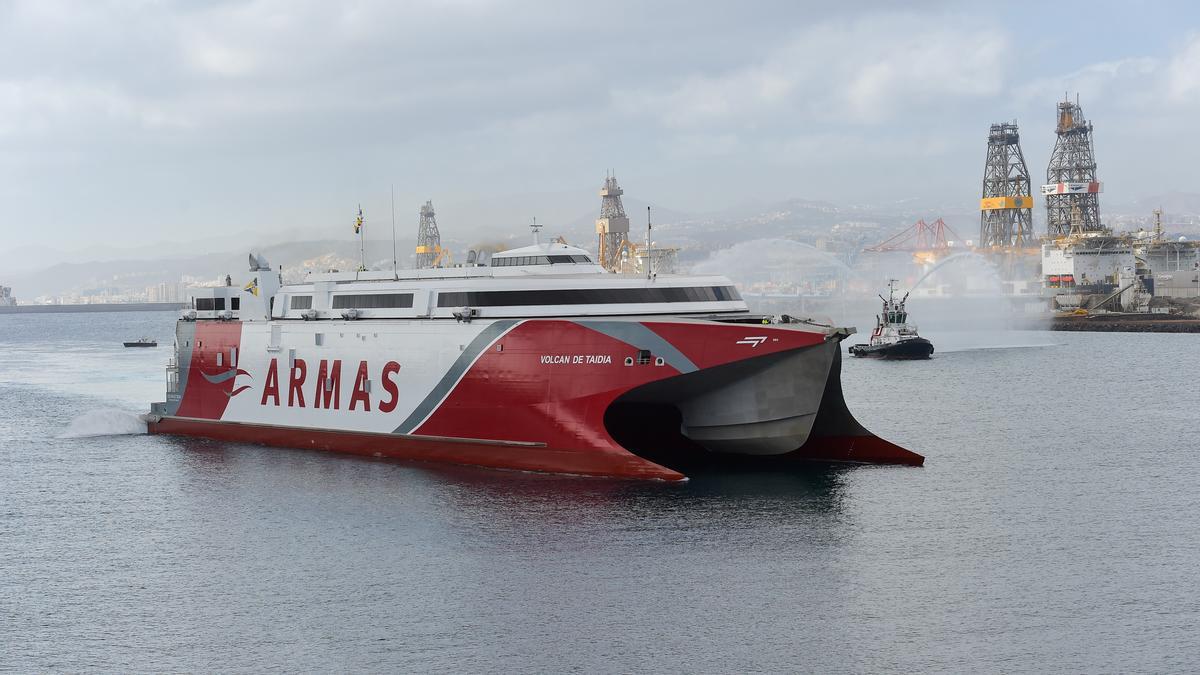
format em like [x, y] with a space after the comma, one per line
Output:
[215, 304]
[587, 296]
[372, 301]
[579, 296]
[539, 260]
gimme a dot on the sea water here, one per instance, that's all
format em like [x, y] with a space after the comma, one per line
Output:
[1054, 527]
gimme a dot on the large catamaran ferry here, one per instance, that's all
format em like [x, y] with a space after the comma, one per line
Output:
[538, 360]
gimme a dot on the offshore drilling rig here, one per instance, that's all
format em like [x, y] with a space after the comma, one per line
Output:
[1071, 190]
[1006, 209]
[1086, 266]
[429, 241]
[616, 251]
[612, 227]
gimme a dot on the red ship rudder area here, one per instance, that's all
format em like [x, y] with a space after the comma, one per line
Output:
[838, 436]
[550, 382]
[212, 372]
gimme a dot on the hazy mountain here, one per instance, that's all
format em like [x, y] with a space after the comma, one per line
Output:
[136, 273]
[1169, 202]
[300, 250]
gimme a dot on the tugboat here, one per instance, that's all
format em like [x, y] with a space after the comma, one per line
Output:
[893, 338]
[142, 342]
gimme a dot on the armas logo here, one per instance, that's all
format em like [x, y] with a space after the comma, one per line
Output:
[227, 375]
[324, 390]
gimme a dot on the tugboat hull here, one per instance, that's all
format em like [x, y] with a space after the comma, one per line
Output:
[912, 349]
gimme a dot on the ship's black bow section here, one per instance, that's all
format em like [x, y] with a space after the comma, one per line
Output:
[649, 424]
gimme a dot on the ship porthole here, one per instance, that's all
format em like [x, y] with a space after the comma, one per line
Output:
[629, 360]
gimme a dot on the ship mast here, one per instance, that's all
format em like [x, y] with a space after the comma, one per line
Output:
[358, 229]
[649, 258]
[395, 270]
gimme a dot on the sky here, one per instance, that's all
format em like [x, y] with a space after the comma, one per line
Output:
[131, 121]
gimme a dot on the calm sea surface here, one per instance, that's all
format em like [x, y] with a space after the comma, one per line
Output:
[1055, 527]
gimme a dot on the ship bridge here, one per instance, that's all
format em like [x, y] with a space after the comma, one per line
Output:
[545, 259]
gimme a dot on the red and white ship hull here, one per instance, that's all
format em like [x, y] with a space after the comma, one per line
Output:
[634, 398]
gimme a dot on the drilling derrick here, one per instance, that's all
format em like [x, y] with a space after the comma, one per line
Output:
[1071, 185]
[1006, 210]
[612, 227]
[429, 240]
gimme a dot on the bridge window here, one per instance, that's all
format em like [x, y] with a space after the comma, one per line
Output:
[557, 259]
[301, 302]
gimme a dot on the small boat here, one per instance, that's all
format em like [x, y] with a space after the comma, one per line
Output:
[893, 337]
[142, 342]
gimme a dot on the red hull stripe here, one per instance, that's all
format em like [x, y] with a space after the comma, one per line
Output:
[721, 344]
[477, 452]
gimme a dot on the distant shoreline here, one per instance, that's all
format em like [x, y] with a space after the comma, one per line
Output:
[95, 307]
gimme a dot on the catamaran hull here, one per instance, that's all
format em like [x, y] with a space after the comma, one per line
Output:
[562, 396]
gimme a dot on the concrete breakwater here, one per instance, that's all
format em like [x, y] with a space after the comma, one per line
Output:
[1127, 323]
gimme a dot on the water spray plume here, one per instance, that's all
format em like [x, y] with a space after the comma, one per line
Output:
[104, 422]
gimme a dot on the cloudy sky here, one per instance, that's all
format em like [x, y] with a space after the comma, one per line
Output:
[125, 121]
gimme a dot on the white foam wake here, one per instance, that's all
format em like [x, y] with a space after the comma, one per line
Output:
[986, 347]
[104, 422]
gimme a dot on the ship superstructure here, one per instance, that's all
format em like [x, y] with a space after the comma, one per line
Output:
[541, 360]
